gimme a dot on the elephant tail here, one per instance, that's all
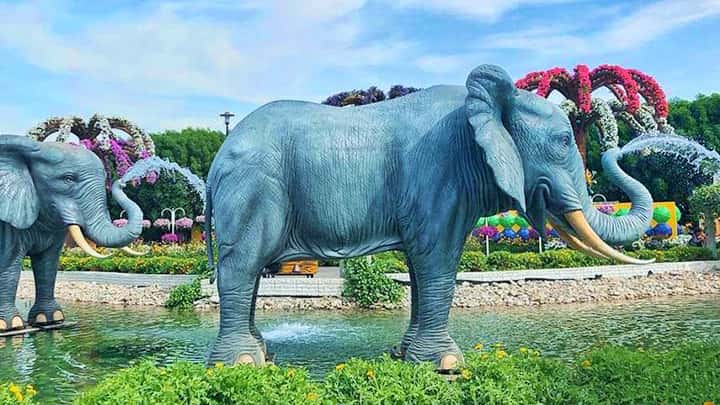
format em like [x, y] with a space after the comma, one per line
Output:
[209, 235]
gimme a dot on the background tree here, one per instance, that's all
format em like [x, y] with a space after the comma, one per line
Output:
[627, 85]
[706, 200]
[194, 148]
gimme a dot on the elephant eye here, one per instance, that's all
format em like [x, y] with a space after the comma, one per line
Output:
[68, 178]
[566, 140]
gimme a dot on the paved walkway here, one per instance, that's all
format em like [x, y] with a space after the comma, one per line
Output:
[162, 280]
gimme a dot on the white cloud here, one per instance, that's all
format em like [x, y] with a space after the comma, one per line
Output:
[272, 52]
[637, 28]
[488, 10]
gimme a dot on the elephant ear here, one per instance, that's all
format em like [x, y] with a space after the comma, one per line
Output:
[19, 204]
[490, 93]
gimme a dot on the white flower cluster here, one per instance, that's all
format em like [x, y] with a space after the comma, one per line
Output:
[140, 138]
[62, 125]
[605, 123]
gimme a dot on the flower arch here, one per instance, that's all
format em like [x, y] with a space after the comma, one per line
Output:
[98, 135]
[629, 87]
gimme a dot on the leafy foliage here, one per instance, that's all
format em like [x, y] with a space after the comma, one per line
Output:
[367, 285]
[603, 375]
[144, 265]
[385, 381]
[706, 199]
[369, 96]
[189, 383]
[184, 295]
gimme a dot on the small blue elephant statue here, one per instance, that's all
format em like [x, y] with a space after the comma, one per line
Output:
[301, 180]
[47, 190]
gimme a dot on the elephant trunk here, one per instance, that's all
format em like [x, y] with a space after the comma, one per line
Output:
[626, 228]
[100, 228]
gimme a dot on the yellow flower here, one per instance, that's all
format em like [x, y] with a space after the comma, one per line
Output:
[586, 363]
[340, 367]
[466, 374]
[484, 356]
[290, 373]
[370, 374]
[500, 354]
[311, 396]
[219, 365]
[524, 350]
[479, 346]
[708, 403]
[536, 353]
[16, 391]
[209, 372]
[30, 391]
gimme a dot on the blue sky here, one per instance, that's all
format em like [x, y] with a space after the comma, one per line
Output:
[168, 65]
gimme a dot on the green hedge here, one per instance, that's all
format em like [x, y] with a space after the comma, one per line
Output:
[146, 265]
[688, 374]
[472, 260]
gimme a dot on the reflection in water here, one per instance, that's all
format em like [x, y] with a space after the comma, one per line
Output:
[60, 363]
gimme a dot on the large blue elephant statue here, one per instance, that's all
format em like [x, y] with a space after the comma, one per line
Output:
[46, 190]
[303, 180]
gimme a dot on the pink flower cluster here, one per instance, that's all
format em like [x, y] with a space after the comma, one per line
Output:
[146, 223]
[170, 238]
[627, 85]
[584, 88]
[161, 223]
[651, 91]
[605, 75]
[200, 219]
[184, 223]
[120, 222]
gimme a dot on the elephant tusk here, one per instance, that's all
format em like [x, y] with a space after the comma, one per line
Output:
[132, 252]
[577, 221]
[79, 238]
[576, 243]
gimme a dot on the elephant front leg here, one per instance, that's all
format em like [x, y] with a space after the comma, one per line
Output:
[46, 310]
[435, 279]
[9, 315]
[412, 329]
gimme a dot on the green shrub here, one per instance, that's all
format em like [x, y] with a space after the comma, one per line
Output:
[15, 394]
[472, 261]
[184, 295]
[367, 284]
[385, 381]
[189, 383]
[390, 262]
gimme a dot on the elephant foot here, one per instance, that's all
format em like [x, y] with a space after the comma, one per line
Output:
[46, 313]
[441, 351]
[10, 319]
[235, 349]
[398, 352]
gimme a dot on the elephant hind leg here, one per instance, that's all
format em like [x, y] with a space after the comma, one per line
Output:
[250, 231]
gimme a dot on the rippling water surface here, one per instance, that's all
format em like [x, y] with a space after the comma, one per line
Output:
[63, 362]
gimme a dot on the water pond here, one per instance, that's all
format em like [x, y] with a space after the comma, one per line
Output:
[61, 363]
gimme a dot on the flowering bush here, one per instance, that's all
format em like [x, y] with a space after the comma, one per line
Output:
[120, 222]
[98, 135]
[161, 223]
[15, 394]
[170, 238]
[627, 85]
[184, 223]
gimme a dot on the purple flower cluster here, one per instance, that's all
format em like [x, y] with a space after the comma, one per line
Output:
[170, 238]
[161, 223]
[606, 209]
[122, 160]
[369, 96]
